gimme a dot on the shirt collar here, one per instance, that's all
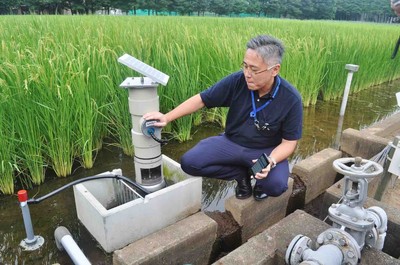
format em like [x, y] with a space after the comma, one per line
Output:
[272, 94]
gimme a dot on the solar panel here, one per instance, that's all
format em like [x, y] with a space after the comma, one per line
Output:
[144, 69]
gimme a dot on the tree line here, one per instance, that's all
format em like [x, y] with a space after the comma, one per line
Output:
[372, 10]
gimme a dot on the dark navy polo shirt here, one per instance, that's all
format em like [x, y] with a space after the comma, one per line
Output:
[284, 114]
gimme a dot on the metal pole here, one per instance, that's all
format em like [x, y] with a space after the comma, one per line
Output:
[352, 68]
[31, 242]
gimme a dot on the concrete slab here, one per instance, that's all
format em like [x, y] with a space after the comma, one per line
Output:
[387, 128]
[188, 241]
[361, 143]
[255, 216]
[392, 194]
[370, 141]
[269, 247]
[316, 172]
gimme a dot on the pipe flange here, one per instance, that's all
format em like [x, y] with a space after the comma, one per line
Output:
[371, 238]
[31, 245]
[344, 241]
[296, 248]
[380, 218]
[358, 221]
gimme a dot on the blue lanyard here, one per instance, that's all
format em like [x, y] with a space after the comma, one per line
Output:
[253, 114]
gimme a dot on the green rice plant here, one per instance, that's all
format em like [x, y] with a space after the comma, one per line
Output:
[25, 132]
[119, 122]
[182, 68]
[7, 176]
[89, 130]
[55, 105]
[361, 44]
[66, 84]
[7, 150]
[86, 122]
[58, 137]
[306, 56]
[30, 144]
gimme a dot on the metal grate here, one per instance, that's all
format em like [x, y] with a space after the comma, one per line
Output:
[123, 193]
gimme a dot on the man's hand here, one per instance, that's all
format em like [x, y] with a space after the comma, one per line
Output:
[155, 115]
[264, 173]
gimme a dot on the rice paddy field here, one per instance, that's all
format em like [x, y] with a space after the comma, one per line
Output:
[59, 77]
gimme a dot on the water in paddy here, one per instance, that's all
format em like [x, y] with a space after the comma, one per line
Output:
[320, 124]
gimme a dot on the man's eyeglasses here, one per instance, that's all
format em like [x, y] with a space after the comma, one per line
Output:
[248, 69]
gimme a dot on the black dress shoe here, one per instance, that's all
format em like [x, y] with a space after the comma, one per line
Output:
[243, 188]
[258, 194]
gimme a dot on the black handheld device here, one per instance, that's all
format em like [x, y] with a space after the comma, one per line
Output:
[262, 162]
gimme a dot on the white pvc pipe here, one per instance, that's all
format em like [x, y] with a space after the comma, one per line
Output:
[65, 242]
[346, 93]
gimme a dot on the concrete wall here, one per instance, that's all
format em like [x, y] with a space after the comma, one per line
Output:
[269, 247]
[370, 141]
[361, 143]
[255, 216]
[188, 241]
[316, 172]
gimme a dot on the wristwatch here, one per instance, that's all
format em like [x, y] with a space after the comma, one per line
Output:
[271, 161]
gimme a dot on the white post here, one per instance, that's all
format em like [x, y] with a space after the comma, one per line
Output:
[352, 68]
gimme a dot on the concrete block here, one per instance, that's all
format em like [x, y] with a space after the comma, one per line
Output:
[387, 128]
[255, 216]
[392, 241]
[188, 241]
[269, 247]
[361, 143]
[143, 216]
[317, 172]
[260, 249]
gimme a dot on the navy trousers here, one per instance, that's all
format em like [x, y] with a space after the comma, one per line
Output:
[218, 157]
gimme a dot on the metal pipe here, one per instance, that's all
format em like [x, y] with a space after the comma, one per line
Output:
[352, 68]
[64, 241]
[31, 242]
[326, 254]
[23, 198]
[299, 252]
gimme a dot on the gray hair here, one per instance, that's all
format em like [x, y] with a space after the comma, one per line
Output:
[268, 47]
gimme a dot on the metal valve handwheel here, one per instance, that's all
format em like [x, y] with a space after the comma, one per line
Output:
[361, 168]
